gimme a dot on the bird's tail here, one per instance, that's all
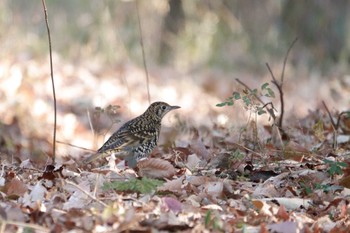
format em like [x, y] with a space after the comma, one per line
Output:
[101, 155]
[93, 157]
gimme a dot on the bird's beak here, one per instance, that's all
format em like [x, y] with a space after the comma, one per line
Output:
[174, 107]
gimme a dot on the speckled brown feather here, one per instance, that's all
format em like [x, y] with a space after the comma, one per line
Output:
[137, 137]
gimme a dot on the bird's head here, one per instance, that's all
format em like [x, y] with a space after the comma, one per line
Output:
[159, 109]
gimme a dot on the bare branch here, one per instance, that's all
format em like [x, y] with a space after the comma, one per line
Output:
[334, 125]
[279, 88]
[285, 59]
[53, 83]
[339, 116]
[272, 75]
[280, 84]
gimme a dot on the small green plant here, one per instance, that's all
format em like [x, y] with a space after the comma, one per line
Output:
[308, 189]
[143, 186]
[335, 168]
[212, 222]
[249, 98]
[328, 187]
[237, 155]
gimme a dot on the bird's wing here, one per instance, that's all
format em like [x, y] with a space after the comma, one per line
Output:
[128, 137]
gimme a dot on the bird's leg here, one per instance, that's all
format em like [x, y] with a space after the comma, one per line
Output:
[131, 161]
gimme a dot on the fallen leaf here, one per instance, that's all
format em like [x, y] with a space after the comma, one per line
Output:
[215, 189]
[192, 162]
[156, 168]
[282, 213]
[172, 204]
[16, 187]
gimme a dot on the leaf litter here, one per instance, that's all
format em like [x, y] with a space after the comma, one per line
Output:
[202, 178]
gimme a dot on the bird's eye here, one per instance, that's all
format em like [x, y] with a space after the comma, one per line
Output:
[163, 107]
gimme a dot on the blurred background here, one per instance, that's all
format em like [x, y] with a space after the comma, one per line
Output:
[194, 51]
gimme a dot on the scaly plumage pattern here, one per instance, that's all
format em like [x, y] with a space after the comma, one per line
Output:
[136, 138]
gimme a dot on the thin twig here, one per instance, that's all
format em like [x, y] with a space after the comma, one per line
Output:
[272, 75]
[269, 110]
[94, 132]
[79, 147]
[86, 193]
[279, 85]
[338, 119]
[250, 90]
[285, 59]
[269, 103]
[279, 88]
[334, 125]
[143, 51]
[53, 83]
[246, 148]
[24, 225]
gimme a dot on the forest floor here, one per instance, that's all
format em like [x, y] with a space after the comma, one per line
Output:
[221, 169]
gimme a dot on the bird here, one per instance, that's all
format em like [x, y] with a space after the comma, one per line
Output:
[135, 139]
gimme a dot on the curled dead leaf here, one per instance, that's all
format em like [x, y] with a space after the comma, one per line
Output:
[156, 168]
[173, 185]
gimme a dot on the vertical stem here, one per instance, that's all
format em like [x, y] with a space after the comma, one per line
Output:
[53, 83]
[143, 51]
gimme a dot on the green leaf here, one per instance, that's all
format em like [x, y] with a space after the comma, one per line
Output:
[261, 111]
[221, 104]
[145, 185]
[246, 100]
[263, 87]
[254, 92]
[236, 95]
[207, 219]
[271, 92]
[335, 168]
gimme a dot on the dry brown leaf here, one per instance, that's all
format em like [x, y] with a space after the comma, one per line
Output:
[192, 162]
[258, 204]
[156, 168]
[295, 151]
[282, 213]
[199, 148]
[199, 180]
[16, 187]
[175, 185]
